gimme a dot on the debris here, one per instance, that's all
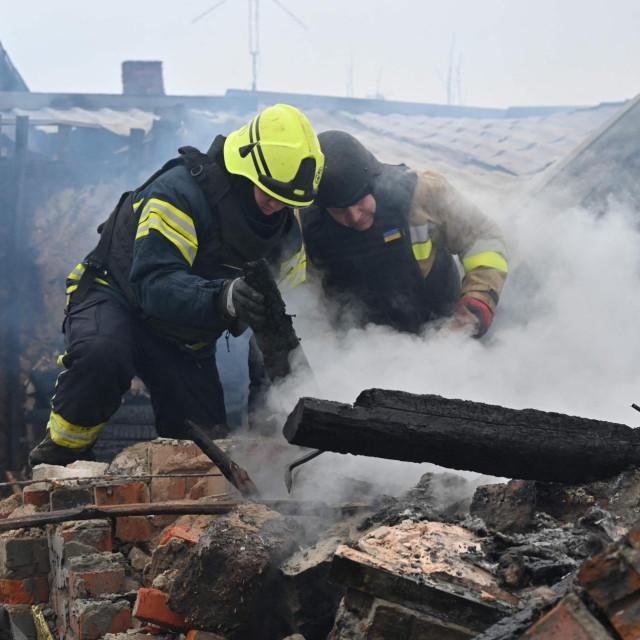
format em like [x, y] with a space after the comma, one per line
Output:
[230, 581]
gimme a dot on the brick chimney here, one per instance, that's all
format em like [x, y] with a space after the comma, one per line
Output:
[142, 78]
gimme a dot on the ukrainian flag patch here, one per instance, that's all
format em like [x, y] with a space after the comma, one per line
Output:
[392, 234]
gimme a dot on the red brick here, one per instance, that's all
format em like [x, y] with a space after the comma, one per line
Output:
[167, 489]
[151, 607]
[134, 529]
[610, 578]
[96, 582]
[203, 635]
[93, 619]
[36, 494]
[174, 458]
[212, 486]
[191, 535]
[626, 619]
[130, 493]
[27, 591]
[569, 620]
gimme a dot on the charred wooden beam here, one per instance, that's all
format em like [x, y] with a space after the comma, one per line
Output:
[459, 434]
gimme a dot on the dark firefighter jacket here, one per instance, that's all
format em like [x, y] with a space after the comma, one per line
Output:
[401, 270]
[173, 242]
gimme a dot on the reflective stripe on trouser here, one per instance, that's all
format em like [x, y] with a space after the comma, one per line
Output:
[71, 435]
[106, 345]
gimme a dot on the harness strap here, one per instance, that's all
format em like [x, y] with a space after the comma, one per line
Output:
[204, 171]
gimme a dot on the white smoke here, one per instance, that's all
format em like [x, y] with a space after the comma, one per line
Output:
[564, 339]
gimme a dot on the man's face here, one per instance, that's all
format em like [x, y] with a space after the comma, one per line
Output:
[358, 216]
[267, 204]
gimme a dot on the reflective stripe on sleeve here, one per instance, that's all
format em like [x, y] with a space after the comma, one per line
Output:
[175, 225]
[491, 259]
[70, 435]
[293, 271]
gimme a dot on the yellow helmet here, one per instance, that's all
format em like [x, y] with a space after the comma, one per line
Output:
[280, 153]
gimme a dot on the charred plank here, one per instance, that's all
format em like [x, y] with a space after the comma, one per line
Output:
[527, 444]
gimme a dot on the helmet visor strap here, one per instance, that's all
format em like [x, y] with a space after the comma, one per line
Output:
[300, 189]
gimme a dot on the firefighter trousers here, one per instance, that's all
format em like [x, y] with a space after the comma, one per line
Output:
[107, 344]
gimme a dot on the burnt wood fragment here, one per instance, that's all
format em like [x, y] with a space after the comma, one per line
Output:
[527, 444]
[277, 338]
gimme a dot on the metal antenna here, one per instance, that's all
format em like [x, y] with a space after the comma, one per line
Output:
[254, 40]
[254, 32]
[209, 10]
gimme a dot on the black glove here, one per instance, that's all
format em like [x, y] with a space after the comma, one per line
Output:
[240, 300]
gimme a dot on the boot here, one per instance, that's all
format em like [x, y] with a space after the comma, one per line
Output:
[48, 452]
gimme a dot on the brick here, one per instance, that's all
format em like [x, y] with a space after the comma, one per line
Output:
[93, 533]
[70, 497]
[626, 619]
[134, 529]
[93, 619]
[611, 577]
[151, 607]
[167, 489]
[569, 620]
[92, 576]
[36, 494]
[212, 486]
[203, 635]
[174, 458]
[128, 493]
[23, 557]
[27, 591]
[188, 534]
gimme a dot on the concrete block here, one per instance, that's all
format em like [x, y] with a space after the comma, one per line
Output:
[93, 619]
[24, 556]
[70, 497]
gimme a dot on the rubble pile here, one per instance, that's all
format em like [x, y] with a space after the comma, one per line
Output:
[448, 560]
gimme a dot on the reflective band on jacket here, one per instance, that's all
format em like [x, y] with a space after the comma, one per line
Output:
[487, 259]
[421, 242]
[293, 271]
[423, 250]
[70, 435]
[175, 225]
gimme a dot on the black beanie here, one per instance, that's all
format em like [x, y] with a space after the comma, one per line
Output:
[349, 170]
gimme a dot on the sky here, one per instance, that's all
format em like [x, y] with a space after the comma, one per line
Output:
[505, 52]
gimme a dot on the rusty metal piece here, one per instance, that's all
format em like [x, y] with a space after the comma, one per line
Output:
[234, 473]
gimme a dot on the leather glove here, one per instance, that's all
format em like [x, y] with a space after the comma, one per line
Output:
[471, 312]
[240, 300]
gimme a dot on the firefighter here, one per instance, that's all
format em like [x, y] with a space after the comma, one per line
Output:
[383, 238]
[165, 280]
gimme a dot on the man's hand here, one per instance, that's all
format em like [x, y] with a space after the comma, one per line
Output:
[240, 300]
[471, 314]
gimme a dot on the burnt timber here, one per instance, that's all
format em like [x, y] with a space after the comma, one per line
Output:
[527, 444]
